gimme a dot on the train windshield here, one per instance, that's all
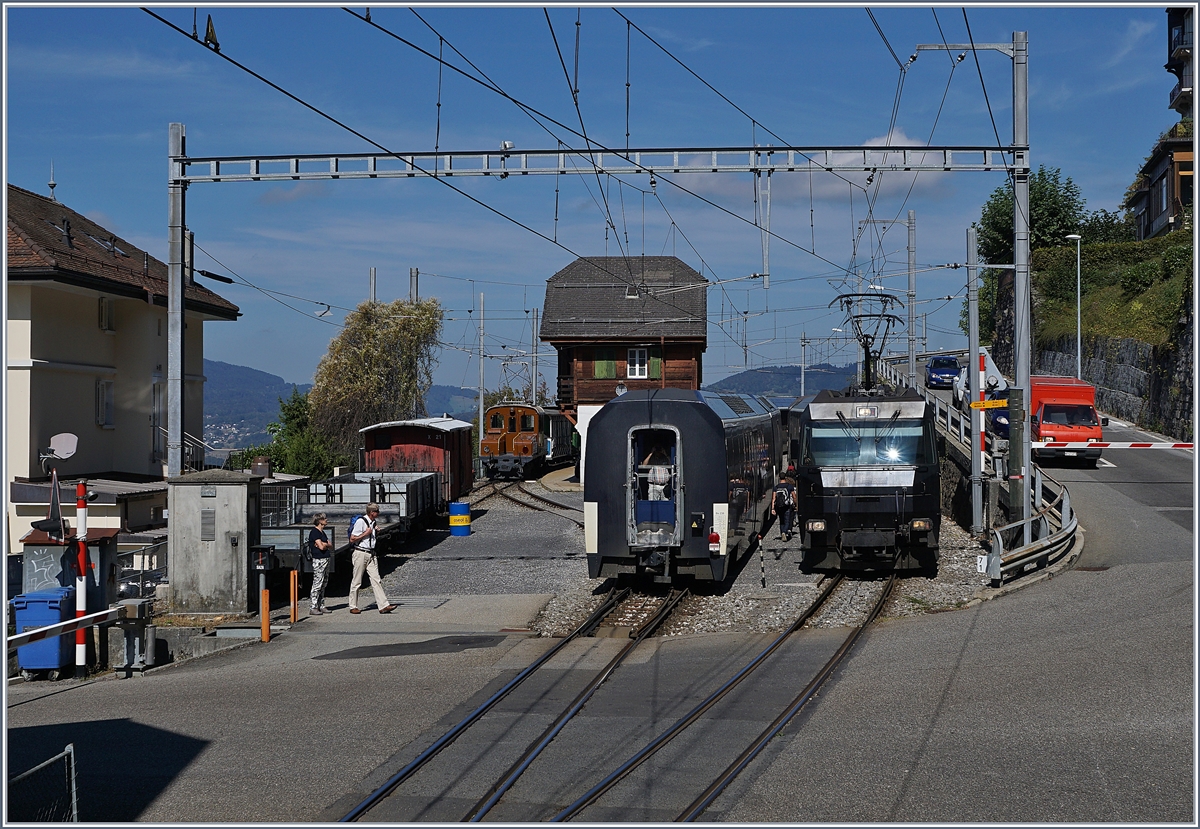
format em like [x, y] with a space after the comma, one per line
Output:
[496, 422]
[526, 422]
[867, 443]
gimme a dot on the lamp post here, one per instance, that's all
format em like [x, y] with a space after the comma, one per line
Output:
[1078, 299]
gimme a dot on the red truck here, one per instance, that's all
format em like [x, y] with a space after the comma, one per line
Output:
[1063, 409]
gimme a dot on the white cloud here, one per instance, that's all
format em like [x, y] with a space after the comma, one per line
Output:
[1135, 34]
[89, 67]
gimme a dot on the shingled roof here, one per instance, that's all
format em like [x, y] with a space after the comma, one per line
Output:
[602, 297]
[48, 240]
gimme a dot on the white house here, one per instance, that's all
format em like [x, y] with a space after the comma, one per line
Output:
[87, 353]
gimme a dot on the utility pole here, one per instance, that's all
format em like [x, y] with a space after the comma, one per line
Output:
[912, 298]
[372, 285]
[1022, 341]
[803, 360]
[175, 225]
[975, 378]
[534, 370]
[413, 296]
[481, 372]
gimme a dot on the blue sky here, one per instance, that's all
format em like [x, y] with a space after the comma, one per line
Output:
[93, 89]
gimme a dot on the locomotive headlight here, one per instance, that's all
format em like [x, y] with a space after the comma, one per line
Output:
[892, 453]
[815, 525]
[487, 450]
[921, 524]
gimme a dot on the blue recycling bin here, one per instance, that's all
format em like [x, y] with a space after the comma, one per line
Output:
[36, 610]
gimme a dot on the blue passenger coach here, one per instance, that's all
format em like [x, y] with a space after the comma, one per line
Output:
[678, 483]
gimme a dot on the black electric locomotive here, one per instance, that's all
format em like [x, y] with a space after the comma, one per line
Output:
[868, 483]
[677, 482]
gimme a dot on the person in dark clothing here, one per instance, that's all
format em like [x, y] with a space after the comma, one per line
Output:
[783, 506]
[319, 549]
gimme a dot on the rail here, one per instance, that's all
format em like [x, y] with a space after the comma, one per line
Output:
[143, 576]
[1052, 522]
[1052, 531]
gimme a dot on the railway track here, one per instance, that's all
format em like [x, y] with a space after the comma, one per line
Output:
[647, 624]
[719, 784]
[531, 500]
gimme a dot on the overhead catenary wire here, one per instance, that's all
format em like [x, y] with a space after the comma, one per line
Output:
[440, 179]
[597, 145]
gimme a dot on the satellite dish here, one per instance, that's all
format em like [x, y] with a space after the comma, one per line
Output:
[63, 445]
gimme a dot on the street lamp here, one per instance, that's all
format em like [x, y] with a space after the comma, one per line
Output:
[1078, 299]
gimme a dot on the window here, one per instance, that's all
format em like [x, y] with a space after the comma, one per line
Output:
[604, 366]
[496, 421]
[638, 365]
[104, 403]
[527, 423]
[107, 320]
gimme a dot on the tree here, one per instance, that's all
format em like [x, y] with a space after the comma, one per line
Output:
[378, 369]
[1056, 208]
[295, 447]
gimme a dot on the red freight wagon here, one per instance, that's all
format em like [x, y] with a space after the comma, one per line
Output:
[429, 444]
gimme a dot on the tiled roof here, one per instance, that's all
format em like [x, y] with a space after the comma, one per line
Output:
[89, 255]
[599, 297]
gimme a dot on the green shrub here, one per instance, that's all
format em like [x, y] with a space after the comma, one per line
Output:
[1177, 260]
[1138, 278]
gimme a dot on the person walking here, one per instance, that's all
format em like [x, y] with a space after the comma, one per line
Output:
[362, 539]
[319, 549]
[783, 506]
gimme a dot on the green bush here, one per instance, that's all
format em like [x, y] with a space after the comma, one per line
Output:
[1177, 260]
[1138, 278]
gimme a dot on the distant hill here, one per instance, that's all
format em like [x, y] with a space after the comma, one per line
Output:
[784, 381]
[239, 402]
[460, 403]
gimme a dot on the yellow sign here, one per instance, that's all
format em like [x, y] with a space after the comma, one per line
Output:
[460, 520]
[989, 404]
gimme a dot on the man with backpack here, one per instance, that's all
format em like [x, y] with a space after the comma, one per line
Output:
[362, 539]
[783, 507]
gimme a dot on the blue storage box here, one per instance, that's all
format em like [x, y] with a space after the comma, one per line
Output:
[37, 610]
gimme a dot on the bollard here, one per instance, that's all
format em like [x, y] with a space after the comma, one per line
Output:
[264, 610]
[295, 580]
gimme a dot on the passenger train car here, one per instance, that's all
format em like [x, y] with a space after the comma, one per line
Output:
[678, 483]
[868, 481]
[520, 438]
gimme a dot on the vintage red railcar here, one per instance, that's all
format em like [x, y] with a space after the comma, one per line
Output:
[428, 444]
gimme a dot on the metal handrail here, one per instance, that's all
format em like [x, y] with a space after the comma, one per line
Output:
[1045, 538]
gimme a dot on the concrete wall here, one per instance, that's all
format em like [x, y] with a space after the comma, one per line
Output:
[1151, 386]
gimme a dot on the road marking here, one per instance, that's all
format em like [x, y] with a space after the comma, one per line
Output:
[1172, 509]
[1105, 463]
[1112, 422]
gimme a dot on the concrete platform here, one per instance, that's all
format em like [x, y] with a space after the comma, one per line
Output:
[562, 480]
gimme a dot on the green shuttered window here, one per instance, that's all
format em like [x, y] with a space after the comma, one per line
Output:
[604, 363]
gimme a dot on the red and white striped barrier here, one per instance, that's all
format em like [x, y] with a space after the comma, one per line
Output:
[1101, 445]
[58, 629]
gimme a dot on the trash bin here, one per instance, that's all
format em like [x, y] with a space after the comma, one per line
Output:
[37, 610]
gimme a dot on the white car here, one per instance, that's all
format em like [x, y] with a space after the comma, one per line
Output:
[960, 387]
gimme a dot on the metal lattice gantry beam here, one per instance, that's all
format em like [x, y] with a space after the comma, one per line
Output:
[504, 163]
